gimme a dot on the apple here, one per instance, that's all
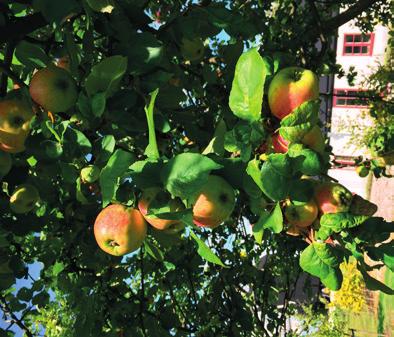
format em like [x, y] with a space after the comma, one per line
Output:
[362, 171]
[24, 199]
[5, 164]
[54, 89]
[90, 174]
[291, 87]
[294, 231]
[175, 205]
[192, 49]
[332, 197]
[15, 116]
[314, 139]
[301, 214]
[279, 144]
[119, 230]
[213, 203]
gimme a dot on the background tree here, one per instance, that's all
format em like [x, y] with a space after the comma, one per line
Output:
[118, 53]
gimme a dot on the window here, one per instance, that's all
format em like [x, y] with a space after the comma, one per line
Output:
[358, 44]
[350, 98]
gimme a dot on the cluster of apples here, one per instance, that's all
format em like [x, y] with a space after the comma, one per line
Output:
[120, 230]
[290, 88]
[53, 88]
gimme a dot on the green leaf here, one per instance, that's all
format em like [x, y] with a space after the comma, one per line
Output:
[79, 194]
[105, 76]
[216, 145]
[98, 102]
[297, 124]
[301, 190]
[273, 222]
[372, 283]
[246, 96]
[56, 11]
[335, 222]
[57, 268]
[153, 250]
[185, 173]
[146, 173]
[31, 55]
[105, 149]
[384, 253]
[373, 230]
[110, 175]
[322, 260]
[151, 151]
[253, 171]
[310, 163]
[275, 174]
[205, 252]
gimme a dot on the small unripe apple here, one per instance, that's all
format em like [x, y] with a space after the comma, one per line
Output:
[120, 230]
[214, 202]
[5, 164]
[90, 174]
[54, 89]
[301, 214]
[24, 199]
[314, 139]
[291, 87]
[332, 197]
[362, 171]
[175, 205]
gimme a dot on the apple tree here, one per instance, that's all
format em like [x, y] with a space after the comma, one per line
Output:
[163, 165]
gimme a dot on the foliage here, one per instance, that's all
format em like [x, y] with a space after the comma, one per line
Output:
[149, 115]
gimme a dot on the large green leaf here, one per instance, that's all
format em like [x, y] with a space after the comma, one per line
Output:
[246, 96]
[322, 260]
[272, 221]
[152, 150]
[56, 11]
[372, 283]
[110, 175]
[310, 163]
[384, 253]
[184, 174]
[106, 76]
[335, 222]
[204, 251]
[31, 55]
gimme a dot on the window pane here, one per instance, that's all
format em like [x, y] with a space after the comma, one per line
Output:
[351, 101]
[364, 50]
[349, 38]
[357, 38]
[367, 38]
[341, 92]
[356, 50]
[341, 101]
[348, 50]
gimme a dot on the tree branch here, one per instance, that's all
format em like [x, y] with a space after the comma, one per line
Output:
[19, 27]
[347, 15]
[5, 307]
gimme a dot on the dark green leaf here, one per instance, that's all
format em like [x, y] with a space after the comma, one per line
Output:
[204, 251]
[335, 222]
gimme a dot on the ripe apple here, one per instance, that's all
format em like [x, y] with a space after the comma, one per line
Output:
[54, 89]
[332, 197]
[291, 87]
[279, 144]
[5, 164]
[90, 174]
[175, 205]
[119, 230]
[301, 214]
[314, 139]
[24, 199]
[15, 116]
[213, 203]
[192, 49]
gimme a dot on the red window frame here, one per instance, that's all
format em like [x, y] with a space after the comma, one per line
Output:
[358, 44]
[347, 99]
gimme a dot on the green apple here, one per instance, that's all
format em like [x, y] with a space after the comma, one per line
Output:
[15, 117]
[54, 89]
[161, 197]
[5, 164]
[90, 174]
[120, 230]
[213, 203]
[192, 49]
[301, 214]
[291, 87]
[362, 171]
[24, 199]
[332, 197]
